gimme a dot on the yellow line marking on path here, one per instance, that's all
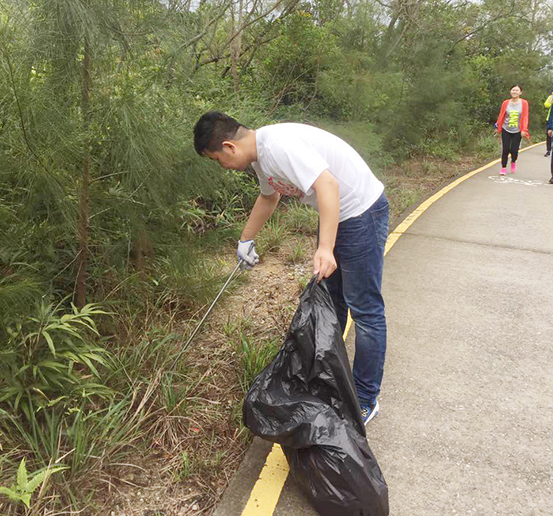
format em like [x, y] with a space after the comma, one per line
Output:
[266, 491]
[268, 487]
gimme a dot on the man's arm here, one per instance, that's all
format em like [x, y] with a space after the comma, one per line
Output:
[549, 101]
[328, 200]
[261, 211]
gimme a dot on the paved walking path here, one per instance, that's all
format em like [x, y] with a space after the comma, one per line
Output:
[466, 423]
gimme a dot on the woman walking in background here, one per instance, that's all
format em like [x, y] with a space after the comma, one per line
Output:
[512, 123]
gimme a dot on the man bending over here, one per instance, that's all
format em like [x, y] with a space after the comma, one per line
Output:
[324, 172]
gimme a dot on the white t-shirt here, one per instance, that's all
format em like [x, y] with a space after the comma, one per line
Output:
[290, 158]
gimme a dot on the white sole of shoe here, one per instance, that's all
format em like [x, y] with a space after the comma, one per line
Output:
[374, 413]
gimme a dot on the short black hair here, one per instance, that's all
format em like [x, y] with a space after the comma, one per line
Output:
[514, 85]
[212, 129]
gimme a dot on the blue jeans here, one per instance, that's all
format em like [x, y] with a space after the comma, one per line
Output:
[356, 284]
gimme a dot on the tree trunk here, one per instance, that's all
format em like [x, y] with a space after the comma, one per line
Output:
[236, 48]
[85, 183]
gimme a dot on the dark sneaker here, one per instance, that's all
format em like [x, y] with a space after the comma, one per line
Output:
[369, 412]
[551, 181]
[547, 154]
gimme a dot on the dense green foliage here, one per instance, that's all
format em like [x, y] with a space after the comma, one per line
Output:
[103, 200]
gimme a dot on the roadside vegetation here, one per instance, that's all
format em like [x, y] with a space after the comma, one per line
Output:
[115, 236]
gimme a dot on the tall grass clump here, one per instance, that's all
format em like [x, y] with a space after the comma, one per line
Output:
[50, 358]
[255, 354]
[51, 389]
[297, 253]
[272, 236]
[300, 218]
[254, 351]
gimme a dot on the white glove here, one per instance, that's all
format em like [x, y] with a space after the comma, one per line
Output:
[246, 253]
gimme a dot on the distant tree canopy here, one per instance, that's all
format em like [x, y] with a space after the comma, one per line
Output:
[98, 99]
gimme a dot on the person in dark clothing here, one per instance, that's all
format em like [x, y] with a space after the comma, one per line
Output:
[548, 103]
[550, 134]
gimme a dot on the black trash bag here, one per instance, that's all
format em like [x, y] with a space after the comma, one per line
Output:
[306, 401]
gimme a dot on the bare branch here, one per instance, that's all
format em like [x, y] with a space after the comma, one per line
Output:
[501, 16]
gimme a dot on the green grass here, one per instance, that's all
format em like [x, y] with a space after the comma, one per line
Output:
[304, 280]
[236, 416]
[300, 218]
[255, 355]
[297, 254]
[272, 236]
[176, 393]
[86, 439]
[188, 278]
[400, 198]
[185, 468]
[240, 325]
[488, 147]
[254, 351]
[89, 432]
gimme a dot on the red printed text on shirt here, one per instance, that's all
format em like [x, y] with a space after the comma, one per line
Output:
[286, 189]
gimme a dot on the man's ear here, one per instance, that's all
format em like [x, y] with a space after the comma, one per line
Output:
[230, 145]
